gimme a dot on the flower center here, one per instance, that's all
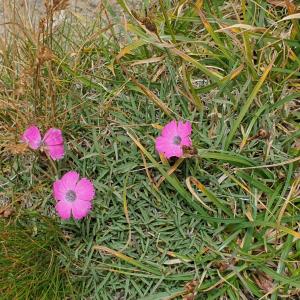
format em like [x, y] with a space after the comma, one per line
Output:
[177, 140]
[71, 196]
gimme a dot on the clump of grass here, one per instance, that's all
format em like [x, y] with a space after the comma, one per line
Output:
[30, 261]
[231, 69]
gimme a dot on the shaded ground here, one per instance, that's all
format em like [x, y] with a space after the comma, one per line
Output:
[36, 8]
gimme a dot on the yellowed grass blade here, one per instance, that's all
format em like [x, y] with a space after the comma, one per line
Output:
[290, 17]
[240, 26]
[294, 191]
[171, 171]
[191, 180]
[129, 48]
[154, 98]
[148, 60]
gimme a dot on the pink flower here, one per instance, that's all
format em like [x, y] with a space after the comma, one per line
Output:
[52, 143]
[32, 137]
[173, 138]
[73, 195]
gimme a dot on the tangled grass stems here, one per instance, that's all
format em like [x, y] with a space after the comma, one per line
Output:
[232, 70]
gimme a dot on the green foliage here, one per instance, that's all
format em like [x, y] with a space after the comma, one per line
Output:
[30, 261]
[233, 71]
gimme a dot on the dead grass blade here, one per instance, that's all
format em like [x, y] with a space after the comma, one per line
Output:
[191, 180]
[171, 171]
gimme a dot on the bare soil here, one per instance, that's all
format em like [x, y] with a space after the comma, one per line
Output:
[36, 8]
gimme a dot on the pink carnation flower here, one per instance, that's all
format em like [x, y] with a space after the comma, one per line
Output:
[173, 138]
[32, 137]
[73, 195]
[52, 143]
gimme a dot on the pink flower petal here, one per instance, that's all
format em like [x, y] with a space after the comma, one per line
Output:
[59, 190]
[162, 143]
[174, 151]
[170, 129]
[63, 209]
[54, 143]
[32, 137]
[85, 190]
[166, 146]
[186, 141]
[184, 129]
[53, 137]
[80, 209]
[69, 180]
[56, 152]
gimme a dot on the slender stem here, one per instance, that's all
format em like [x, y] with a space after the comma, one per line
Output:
[167, 21]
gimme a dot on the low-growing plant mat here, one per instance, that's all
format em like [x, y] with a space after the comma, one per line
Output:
[221, 222]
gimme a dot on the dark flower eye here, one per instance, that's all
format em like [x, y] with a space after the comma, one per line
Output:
[177, 140]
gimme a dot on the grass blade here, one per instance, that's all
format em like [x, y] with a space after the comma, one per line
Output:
[247, 104]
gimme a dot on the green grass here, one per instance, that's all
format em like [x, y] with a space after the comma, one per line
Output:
[31, 262]
[140, 241]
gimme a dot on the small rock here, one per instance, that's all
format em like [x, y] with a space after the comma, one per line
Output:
[94, 3]
[7, 213]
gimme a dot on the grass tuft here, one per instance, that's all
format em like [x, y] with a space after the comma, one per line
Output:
[30, 263]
